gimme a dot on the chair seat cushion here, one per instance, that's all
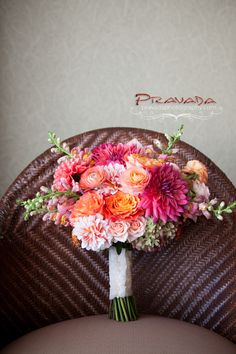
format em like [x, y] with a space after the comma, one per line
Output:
[98, 334]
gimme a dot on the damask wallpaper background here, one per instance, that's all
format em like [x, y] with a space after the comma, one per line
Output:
[76, 65]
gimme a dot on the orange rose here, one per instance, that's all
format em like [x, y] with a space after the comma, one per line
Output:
[90, 203]
[134, 180]
[121, 205]
[195, 166]
[92, 177]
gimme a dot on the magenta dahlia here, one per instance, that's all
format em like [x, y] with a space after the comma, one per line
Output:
[165, 195]
[106, 153]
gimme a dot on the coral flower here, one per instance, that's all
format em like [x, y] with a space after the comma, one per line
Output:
[121, 206]
[195, 166]
[68, 174]
[93, 177]
[92, 231]
[165, 195]
[134, 180]
[90, 203]
[106, 153]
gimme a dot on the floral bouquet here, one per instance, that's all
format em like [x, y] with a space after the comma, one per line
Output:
[122, 197]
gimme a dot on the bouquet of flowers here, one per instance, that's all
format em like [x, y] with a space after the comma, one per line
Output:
[122, 197]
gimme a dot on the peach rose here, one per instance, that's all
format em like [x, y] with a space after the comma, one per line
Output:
[90, 203]
[142, 161]
[134, 180]
[118, 230]
[92, 177]
[121, 205]
[136, 228]
[195, 166]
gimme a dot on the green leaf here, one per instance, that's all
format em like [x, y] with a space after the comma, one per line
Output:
[119, 247]
[191, 176]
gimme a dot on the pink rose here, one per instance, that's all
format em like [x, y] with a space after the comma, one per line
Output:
[118, 230]
[136, 228]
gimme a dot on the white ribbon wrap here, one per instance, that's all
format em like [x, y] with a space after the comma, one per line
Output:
[120, 273]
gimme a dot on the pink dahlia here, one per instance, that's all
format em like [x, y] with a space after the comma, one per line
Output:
[92, 232]
[165, 195]
[67, 175]
[106, 153]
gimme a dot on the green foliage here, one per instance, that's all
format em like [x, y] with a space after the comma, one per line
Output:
[172, 140]
[156, 235]
[150, 238]
[191, 176]
[36, 205]
[54, 140]
[224, 209]
[120, 245]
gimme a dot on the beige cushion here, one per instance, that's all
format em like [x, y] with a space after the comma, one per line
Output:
[98, 334]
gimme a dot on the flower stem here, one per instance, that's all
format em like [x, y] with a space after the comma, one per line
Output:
[120, 309]
[133, 306]
[116, 311]
[123, 309]
[129, 308]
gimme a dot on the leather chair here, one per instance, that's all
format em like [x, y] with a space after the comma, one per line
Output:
[58, 293]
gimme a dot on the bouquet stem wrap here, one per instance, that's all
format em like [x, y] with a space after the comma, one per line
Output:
[122, 305]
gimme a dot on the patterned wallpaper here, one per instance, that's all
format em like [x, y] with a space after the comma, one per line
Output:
[72, 66]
